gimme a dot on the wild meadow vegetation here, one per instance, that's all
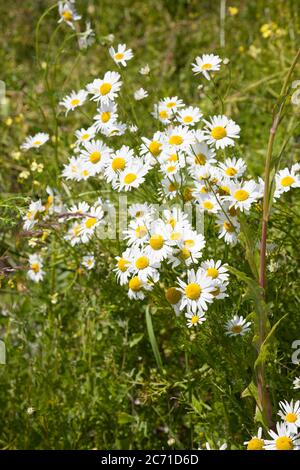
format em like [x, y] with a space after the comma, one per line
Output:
[149, 217]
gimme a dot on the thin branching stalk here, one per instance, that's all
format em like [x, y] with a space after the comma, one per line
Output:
[278, 115]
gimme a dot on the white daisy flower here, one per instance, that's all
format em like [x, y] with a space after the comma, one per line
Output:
[296, 383]
[67, 13]
[196, 291]
[176, 218]
[190, 246]
[256, 442]
[199, 154]
[54, 204]
[75, 99]
[215, 270]
[88, 261]
[170, 186]
[221, 131]
[35, 141]
[143, 266]
[96, 154]
[105, 89]
[90, 223]
[114, 129]
[122, 268]
[237, 326]
[84, 135]
[137, 288]
[228, 229]
[145, 70]
[32, 215]
[73, 235]
[87, 37]
[132, 176]
[290, 414]
[35, 272]
[105, 117]
[139, 211]
[282, 439]
[80, 209]
[164, 115]
[140, 94]
[189, 116]
[138, 232]
[243, 195]
[158, 246]
[121, 55]
[179, 137]
[285, 180]
[232, 168]
[194, 319]
[219, 291]
[173, 103]
[117, 162]
[154, 147]
[205, 64]
[209, 203]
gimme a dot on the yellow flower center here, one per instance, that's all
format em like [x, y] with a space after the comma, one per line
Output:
[188, 194]
[216, 292]
[291, 417]
[232, 211]
[218, 132]
[284, 443]
[123, 264]
[175, 236]
[95, 156]
[173, 158]
[175, 140]
[37, 142]
[171, 187]
[156, 242]
[85, 173]
[130, 178]
[287, 181]
[236, 329]
[228, 227]
[241, 195]
[173, 295]
[200, 159]
[67, 15]
[187, 119]
[171, 168]
[185, 253]
[208, 205]
[77, 230]
[224, 190]
[155, 148]
[75, 102]
[194, 319]
[105, 88]
[90, 222]
[35, 267]
[189, 243]
[119, 56]
[105, 116]
[255, 444]
[212, 272]
[85, 136]
[118, 163]
[141, 231]
[172, 222]
[142, 262]
[206, 66]
[171, 104]
[163, 114]
[230, 171]
[193, 291]
[135, 284]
